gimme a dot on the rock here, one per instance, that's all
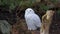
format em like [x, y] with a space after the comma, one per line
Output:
[5, 27]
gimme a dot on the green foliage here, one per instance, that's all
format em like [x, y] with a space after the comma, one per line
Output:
[28, 3]
[54, 1]
[58, 11]
[24, 3]
[13, 3]
[44, 7]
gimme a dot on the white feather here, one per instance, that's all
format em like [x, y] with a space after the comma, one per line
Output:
[33, 21]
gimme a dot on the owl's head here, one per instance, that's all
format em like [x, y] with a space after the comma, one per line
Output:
[29, 11]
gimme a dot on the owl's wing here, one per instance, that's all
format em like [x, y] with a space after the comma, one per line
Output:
[30, 22]
[37, 21]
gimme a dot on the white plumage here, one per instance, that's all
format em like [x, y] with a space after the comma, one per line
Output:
[32, 20]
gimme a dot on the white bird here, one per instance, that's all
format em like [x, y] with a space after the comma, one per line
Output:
[32, 20]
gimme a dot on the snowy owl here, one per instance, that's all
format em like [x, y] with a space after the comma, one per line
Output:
[32, 20]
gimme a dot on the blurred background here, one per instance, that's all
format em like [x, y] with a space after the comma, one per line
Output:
[13, 11]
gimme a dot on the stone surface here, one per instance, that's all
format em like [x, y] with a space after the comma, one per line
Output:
[5, 27]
